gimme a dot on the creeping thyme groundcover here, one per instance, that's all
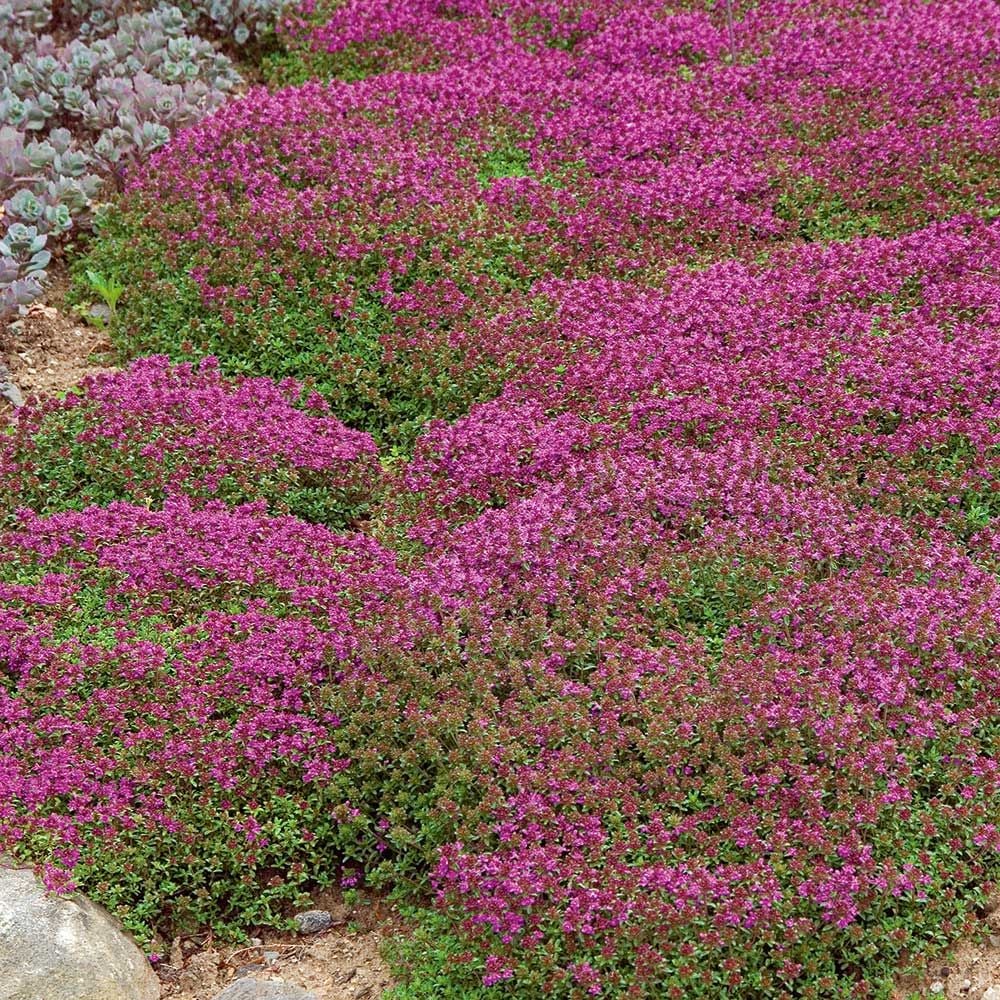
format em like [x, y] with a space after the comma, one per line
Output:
[556, 484]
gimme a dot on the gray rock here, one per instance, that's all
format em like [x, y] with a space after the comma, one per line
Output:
[313, 921]
[992, 993]
[100, 312]
[261, 989]
[8, 390]
[65, 947]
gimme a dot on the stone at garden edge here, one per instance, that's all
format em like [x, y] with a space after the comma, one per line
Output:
[65, 947]
[313, 921]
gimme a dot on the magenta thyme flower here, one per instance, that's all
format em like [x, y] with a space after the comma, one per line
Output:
[657, 647]
[158, 430]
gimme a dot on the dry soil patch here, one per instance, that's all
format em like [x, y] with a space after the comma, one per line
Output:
[48, 351]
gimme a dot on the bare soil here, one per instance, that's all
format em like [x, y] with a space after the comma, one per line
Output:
[343, 963]
[334, 965]
[49, 351]
[969, 971]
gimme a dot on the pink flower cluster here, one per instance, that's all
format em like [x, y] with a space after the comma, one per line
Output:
[618, 141]
[159, 662]
[157, 430]
[669, 653]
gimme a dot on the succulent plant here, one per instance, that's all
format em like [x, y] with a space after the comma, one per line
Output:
[23, 259]
[238, 20]
[74, 115]
[243, 19]
[21, 21]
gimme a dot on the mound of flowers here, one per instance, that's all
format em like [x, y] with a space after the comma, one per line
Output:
[159, 430]
[684, 682]
[372, 228]
[657, 654]
[760, 568]
[165, 730]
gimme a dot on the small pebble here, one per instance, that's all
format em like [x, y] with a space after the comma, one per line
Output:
[270, 957]
[937, 987]
[313, 921]
[10, 392]
[966, 984]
